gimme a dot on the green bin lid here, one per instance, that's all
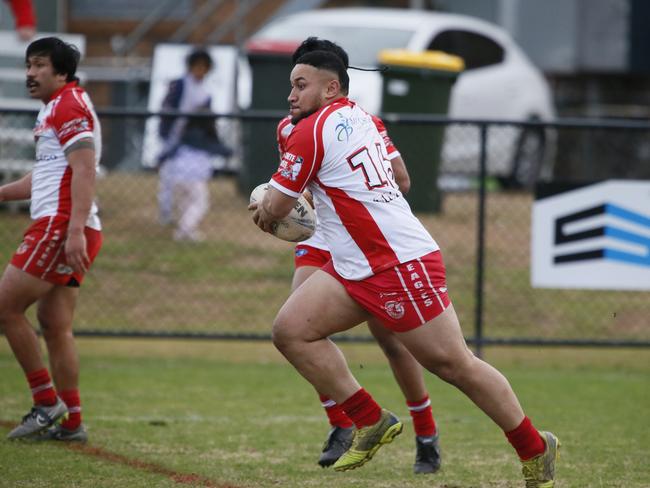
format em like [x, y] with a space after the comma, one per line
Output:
[424, 59]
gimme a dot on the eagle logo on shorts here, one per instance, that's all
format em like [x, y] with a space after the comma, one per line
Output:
[63, 269]
[22, 249]
[395, 309]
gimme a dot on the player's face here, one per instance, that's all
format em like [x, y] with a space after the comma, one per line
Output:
[41, 80]
[311, 89]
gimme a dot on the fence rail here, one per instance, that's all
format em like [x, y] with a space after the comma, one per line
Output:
[229, 286]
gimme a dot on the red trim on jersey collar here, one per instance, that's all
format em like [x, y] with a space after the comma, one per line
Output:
[342, 101]
[70, 84]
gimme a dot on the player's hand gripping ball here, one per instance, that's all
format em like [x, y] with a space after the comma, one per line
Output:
[298, 226]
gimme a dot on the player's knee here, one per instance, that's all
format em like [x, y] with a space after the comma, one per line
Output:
[9, 317]
[45, 322]
[287, 332]
[4, 320]
[53, 333]
[442, 369]
[453, 369]
[52, 328]
[281, 333]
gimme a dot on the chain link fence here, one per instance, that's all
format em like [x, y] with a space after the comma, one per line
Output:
[232, 282]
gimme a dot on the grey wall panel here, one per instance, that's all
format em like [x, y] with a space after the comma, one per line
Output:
[603, 35]
[547, 31]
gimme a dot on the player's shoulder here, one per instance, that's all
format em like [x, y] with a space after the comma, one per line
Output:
[72, 94]
[378, 123]
[73, 99]
[327, 113]
[286, 121]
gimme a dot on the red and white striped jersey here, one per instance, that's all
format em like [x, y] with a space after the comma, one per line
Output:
[68, 117]
[340, 155]
[284, 129]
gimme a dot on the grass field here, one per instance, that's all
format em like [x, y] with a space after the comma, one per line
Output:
[230, 414]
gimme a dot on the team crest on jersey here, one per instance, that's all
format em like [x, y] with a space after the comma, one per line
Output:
[343, 129]
[395, 309]
[301, 252]
[290, 166]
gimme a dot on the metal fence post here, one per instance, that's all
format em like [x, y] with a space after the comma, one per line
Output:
[480, 250]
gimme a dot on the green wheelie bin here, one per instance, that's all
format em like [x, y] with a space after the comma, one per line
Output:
[419, 83]
[270, 64]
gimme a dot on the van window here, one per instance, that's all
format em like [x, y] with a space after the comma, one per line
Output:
[476, 49]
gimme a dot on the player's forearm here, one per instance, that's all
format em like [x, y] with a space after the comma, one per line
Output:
[82, 187]
[17, 190]
[276, 205]
[402, 177]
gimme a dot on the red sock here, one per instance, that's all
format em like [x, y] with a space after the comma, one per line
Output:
[42, 388]
[335, 413]
[72, 401]
[526, 440]
[422, 416]
[362, 409]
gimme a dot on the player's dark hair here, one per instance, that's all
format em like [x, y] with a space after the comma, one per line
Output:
[199, 56]
[328, 61]
[63, 56]
[315, 44]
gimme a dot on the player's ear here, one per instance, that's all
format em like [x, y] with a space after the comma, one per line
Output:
[333, 88]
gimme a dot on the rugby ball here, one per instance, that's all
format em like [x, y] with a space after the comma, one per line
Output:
[298, 226]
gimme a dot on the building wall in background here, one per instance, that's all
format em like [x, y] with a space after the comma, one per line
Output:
[125, 9]
[561, 36]
[596, 53]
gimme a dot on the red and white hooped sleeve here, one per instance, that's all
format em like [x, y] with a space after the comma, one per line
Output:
[71, 119]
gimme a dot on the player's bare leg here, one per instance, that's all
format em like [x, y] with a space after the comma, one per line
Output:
[339, 437]
[19, 290]
[406, 369]
[319, 308]
[301, 274]
[55, 315]
[409, 376]
[407, 372]
[440, 347]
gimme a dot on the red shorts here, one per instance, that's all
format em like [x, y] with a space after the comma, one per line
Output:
[402, 297]
[42, 252]
[310, 256]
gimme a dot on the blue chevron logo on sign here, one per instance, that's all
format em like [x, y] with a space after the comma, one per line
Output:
[592, 237]
[612, 231]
